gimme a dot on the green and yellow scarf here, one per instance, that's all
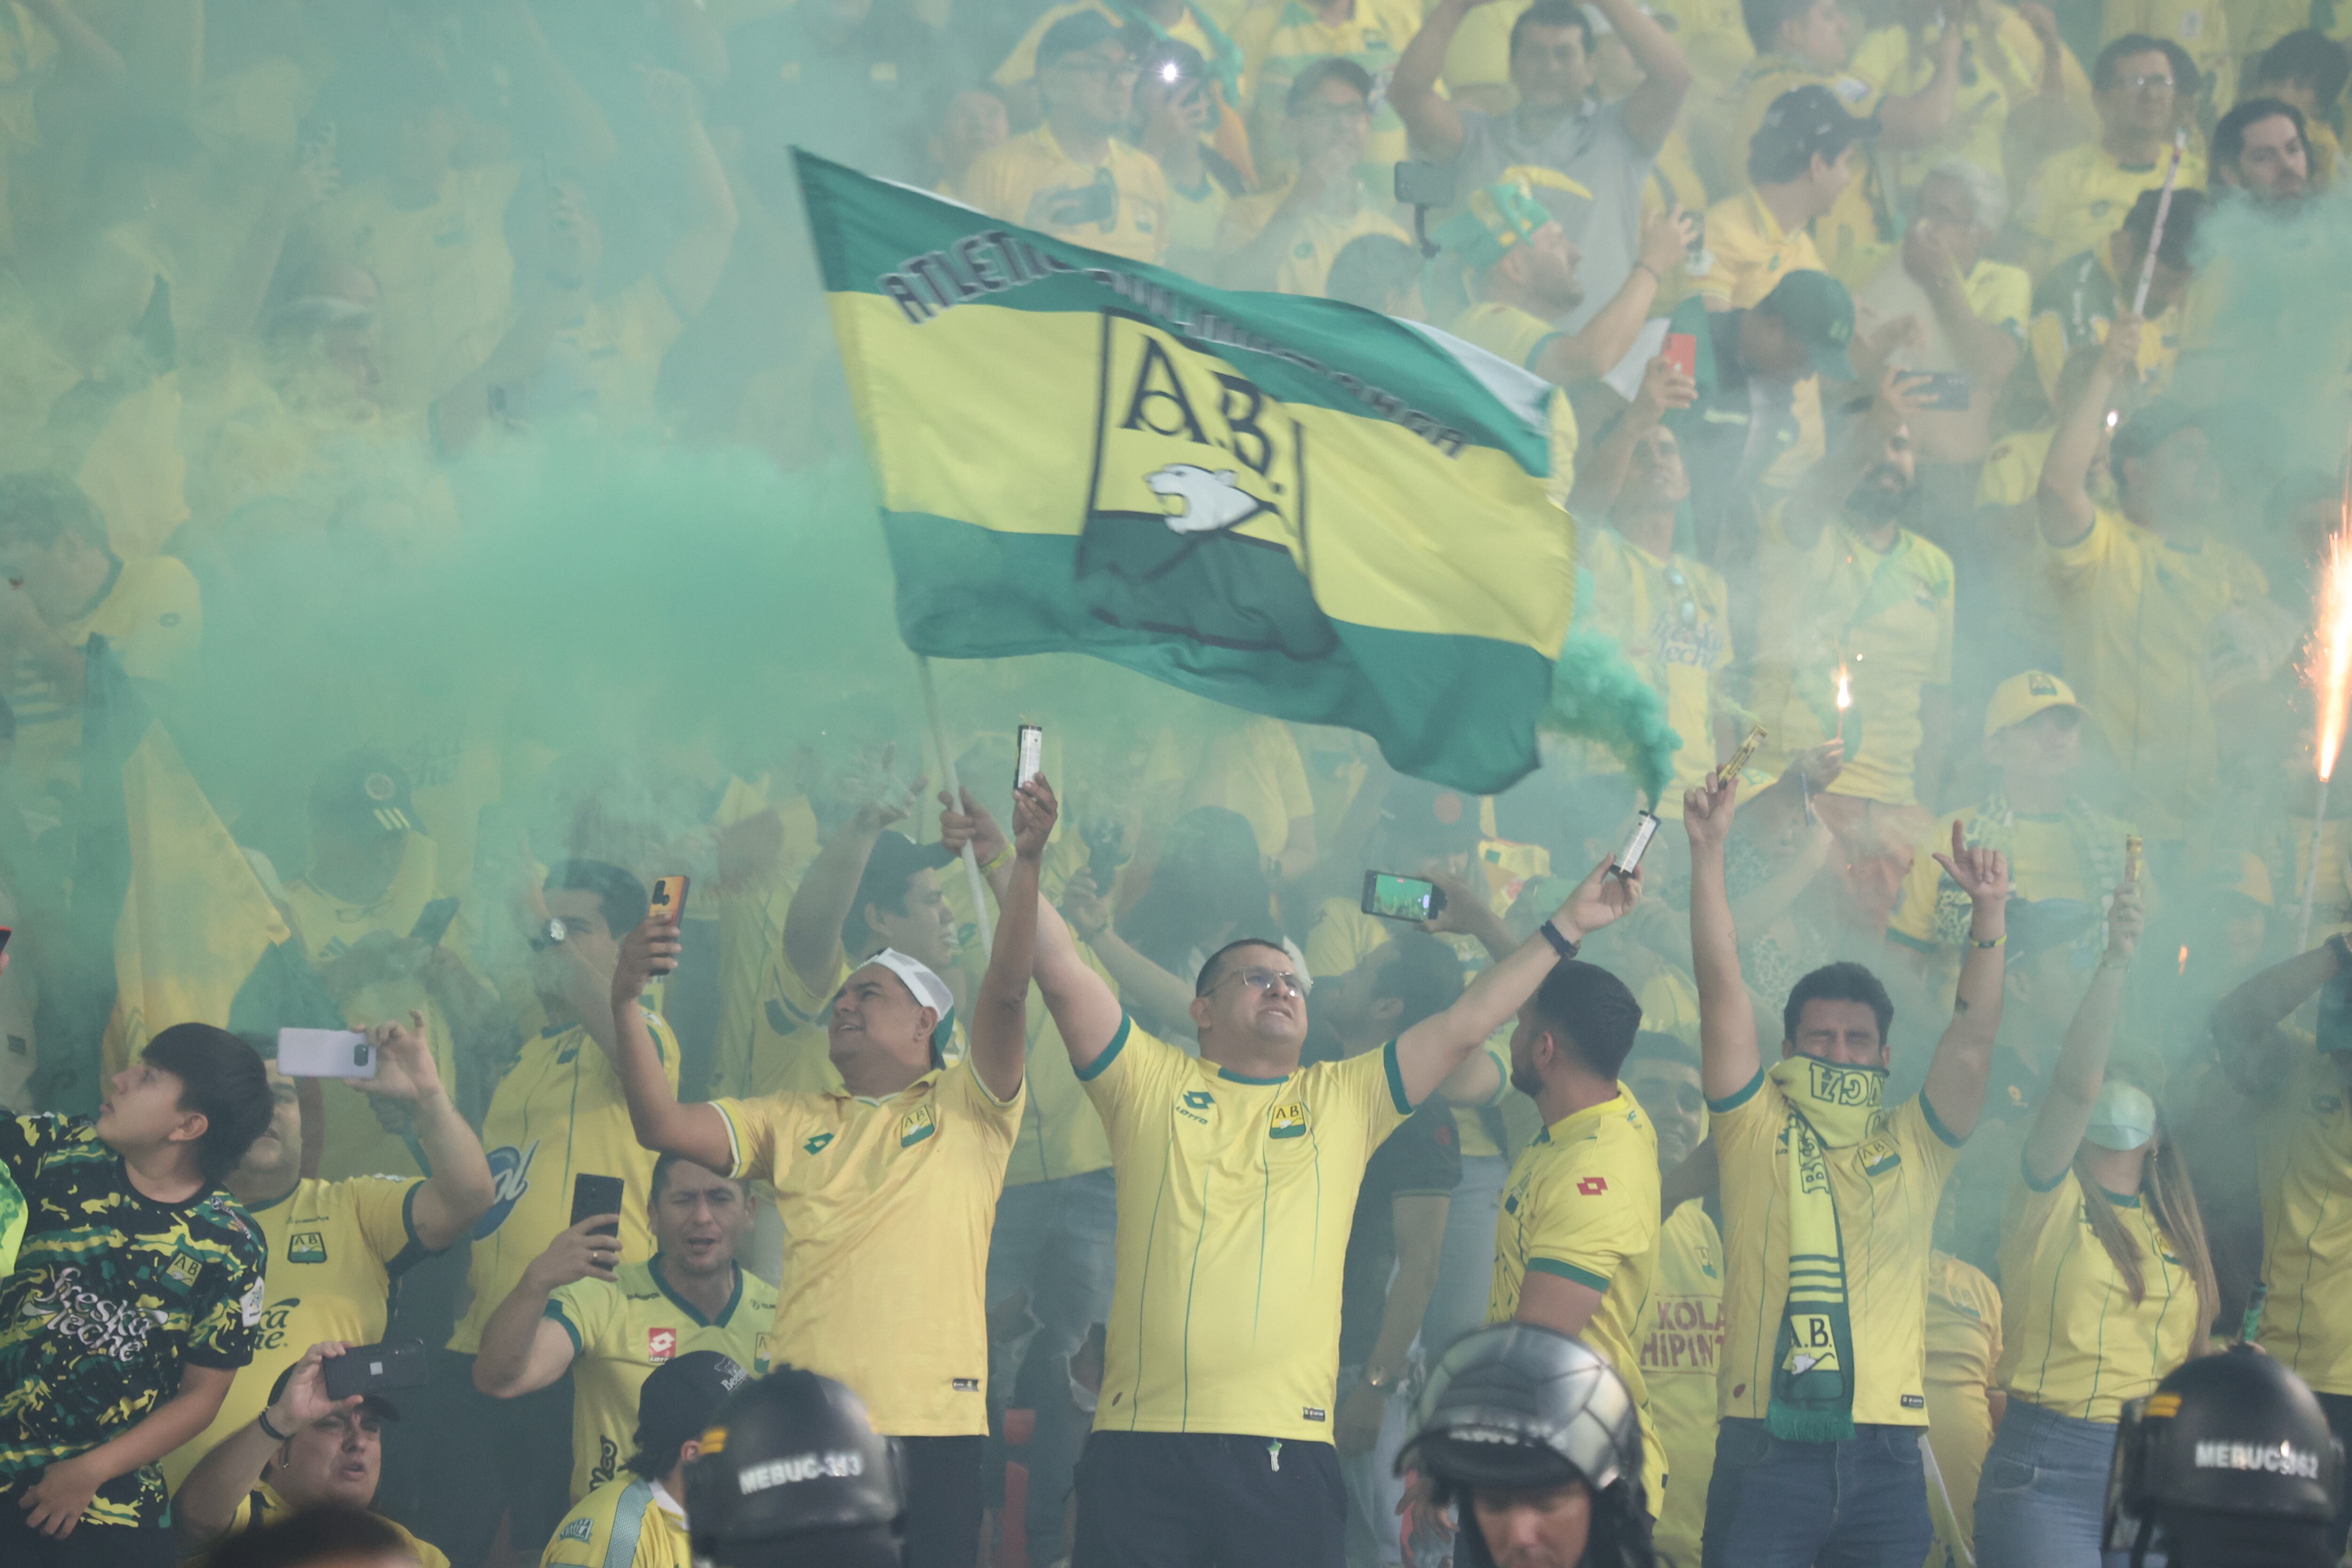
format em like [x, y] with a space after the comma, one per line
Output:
[1830, 1106]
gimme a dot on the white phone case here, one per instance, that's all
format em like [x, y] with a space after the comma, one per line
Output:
[325, 1053]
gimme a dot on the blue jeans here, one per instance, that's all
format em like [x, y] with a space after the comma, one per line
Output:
[1862, 1503]
[1465, 1258]
[2043, 1493]
[1053, 1239]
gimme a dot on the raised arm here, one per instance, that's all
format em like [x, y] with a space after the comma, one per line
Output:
[1595, 348]
[1599, 476]
[457, 1188]
[1921, 120]
[1000, 1019]
[1956, 1077]
[697, 1131]
[2246, 1021]
[1728, 1059]
[2066, 1113]
[1434, 123]
[1143, 986]
[1428, 1053]
[1087, 1013]
[2063, 496]
[1651, 107]
[523, 1349]
[829, 888]
[207, 1500]
[1823, 490]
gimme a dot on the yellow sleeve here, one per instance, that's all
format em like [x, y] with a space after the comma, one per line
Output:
[1340, 939]
[579, 1541]
[2074, 567]
[1131, 1077]
[1375, 1087]
[760, 1132]
[587, 1310]
[380, 1205]
[998, 1119]
[1925, 1139]
[1587, 1222]
[1746, 1124]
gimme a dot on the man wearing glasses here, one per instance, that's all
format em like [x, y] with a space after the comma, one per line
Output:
[1285, 238]
[1072, 177]
[2078, 197]
[1237, 1174]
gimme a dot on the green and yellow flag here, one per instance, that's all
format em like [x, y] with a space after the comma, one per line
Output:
[1286, 504]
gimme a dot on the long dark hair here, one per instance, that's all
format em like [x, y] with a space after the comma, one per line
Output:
[2164, 1188]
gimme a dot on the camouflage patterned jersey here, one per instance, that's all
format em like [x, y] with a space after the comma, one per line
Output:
[113, 1295]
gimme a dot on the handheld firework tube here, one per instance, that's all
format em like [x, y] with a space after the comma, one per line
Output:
[2155, 234]
[2330, 671]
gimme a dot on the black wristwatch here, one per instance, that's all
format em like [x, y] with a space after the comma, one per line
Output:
[1559, 945]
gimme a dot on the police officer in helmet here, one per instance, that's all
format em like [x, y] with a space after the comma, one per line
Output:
[792, 1475]
[1534, 1442]
[2229, 1463]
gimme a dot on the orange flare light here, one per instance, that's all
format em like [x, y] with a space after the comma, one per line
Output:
[2184, 958]
[2330, 671]
[1844, 690]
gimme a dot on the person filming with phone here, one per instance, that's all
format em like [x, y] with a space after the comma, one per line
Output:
[306, 1449]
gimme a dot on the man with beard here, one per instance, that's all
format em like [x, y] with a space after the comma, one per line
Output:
[2139, 589]
[1849, 595]
[2259, 150]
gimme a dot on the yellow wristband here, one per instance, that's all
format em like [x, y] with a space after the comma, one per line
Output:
[1994, 942]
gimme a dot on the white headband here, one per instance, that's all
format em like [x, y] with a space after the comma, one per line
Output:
[928, 989]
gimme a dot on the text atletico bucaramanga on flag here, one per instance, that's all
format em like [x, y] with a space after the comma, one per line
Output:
[1286, 504]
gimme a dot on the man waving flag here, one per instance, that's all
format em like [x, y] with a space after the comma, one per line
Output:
[1287, 504]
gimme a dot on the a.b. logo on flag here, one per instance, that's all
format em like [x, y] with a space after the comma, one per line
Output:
[660, 1345]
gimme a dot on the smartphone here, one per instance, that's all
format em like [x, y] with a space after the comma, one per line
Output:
[432, 921]
[1424, 185]
[1680, 351]
[1399, 897]
[325, 1053]
[1637, 843]
[1033, 754]
[670, 896]
[374, 1369]
[1947, 389]
[592, 1196]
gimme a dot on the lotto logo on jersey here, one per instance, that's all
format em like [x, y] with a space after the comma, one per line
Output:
[1593, 1187]
[306, 1246]
[1287, 1120]
[661, 1344]
[916, 1125]
[1193, 1105]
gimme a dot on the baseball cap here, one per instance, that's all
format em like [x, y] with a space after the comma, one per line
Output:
[1494, 218]
[365, 791]
[2021, 697]
[1817, 309]
[1078, 31]
[678, 1401]
[376, 1403]
[1803, 122]
[792, 1475]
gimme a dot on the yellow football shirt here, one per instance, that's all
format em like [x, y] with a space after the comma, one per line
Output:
[151, 617]
[1963, 1346]
[335, 1249]
[2305, 1147]
[1682, 1341]
[2073, 855]
[1886, 1188]
[887, 1204]
[1253, 769]
[1887, 617]
[1031, 181]
[1673, 619]
[2136, 623]
[1508, 332]
[2073, 1339]
[263, 1505]
[1236, 1195]
[1748, 252]
[1901, 63]
[558, 1113]
[2078, 198]
[621, 1331]
[1582, 1203]
[1848, 234]
[1316, 241]
[623, 1505]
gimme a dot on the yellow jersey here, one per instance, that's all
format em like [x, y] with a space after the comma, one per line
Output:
[1672, 617]
[2073, 1339]
[1748, 253]
[886, 1205]
[1682, 1341]
[1848, 234]
[447, 275]
[264, 1505]
[558, 1113]
[1887, 617]
[1119, 205]
[1991, 81]
[2078, 198]
[2076, 853]
[2137, 622]
[1060, 1133]
[1316, 242]
[1963, 1347]
[152, 617]
[1236, 1195]
[335, 1249]
[1253, 769]
[621, 1330]
[1886, 1189]
[1283, 37]
[1508, 332]
[1582, 1203]
[2305, 1148]
[627, 1522]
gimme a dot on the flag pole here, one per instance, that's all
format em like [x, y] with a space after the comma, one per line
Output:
[955, 794]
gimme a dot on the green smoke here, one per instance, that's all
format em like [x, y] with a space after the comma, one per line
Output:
[1597, 696]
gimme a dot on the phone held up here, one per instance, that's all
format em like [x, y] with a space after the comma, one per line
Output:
[670, 899]
[374, 1369]
[325, 1053]
[592, 1196]
[1395, 897]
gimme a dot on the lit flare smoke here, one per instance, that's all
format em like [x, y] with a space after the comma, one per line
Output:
[2330, 670]
[1597, 696]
